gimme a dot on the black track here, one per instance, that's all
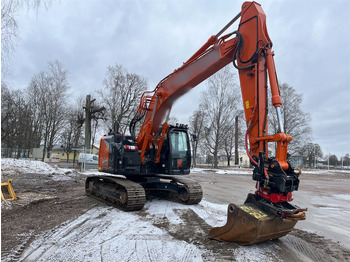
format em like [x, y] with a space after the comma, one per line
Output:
[130, 194]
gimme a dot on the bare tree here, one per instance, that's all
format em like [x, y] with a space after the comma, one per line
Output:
[296, 122]
[10, 106]
[7, 115]
[331, 160]
[9, 33]
[67, 137]
[36, 114]
[72, 130]
[173, 120]
[120, 95]
[229, 141]
[57, 96]
[197, 129]
[36, 93]
[10, 9]
[49, 90]
[220, 103]
[346, 160]
[16, 119]
[311, 154]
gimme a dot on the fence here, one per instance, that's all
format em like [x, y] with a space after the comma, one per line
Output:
[15, 152]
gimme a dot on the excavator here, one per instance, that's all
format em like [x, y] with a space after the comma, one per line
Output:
[155, 161]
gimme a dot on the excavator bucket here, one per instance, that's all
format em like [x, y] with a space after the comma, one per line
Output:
[248, 224]
[9, 190]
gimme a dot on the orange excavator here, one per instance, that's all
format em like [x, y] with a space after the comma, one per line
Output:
[155, 161]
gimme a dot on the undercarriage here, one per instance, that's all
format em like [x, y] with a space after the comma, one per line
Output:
[129, 194]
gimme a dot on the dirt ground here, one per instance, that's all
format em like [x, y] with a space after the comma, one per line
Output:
[45, 204]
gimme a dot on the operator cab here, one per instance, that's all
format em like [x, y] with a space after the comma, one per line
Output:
[176, 152]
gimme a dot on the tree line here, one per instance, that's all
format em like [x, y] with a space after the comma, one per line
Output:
[214, 120]
[44, 114]
[35, 115]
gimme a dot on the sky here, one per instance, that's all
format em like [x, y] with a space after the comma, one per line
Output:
[152, 38]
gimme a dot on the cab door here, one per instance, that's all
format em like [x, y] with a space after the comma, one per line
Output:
[179, 151]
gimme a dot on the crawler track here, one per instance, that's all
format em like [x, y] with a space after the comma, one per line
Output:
[194, 192]
[173, 188]
[130, 194]
[120, 192]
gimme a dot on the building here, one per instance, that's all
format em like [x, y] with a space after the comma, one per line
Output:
[58, 154]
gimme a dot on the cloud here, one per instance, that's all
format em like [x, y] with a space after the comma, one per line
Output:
[152, 38]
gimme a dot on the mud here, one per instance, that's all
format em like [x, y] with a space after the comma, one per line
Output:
[42, 205]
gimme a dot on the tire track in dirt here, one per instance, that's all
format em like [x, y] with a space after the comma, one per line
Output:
[15, 254]
[315, 247]
[69, 231]
[98, 236]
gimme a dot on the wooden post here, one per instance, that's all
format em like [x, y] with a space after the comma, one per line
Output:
[236, 141]
[88, 124]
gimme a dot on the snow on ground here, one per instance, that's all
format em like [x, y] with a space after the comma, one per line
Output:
[243, 171]
[10, 166]
[26, 166]
[324, 171]
[108, 234]
[213, 214]
[328, 215]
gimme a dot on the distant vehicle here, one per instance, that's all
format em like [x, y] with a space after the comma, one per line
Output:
[88, 159]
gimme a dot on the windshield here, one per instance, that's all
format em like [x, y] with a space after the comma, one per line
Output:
[179, 144]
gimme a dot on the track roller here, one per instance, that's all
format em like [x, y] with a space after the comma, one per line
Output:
[120, 192]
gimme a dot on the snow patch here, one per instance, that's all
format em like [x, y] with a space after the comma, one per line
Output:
[242, 171]
[11, 167]
[19, 166]
[108, 234]
[213, 214]
[343, 197]
[234, 172]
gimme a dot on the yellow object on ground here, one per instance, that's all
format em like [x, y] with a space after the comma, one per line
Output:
[10, 190]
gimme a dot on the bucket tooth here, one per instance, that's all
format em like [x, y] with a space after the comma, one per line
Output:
[248, 224]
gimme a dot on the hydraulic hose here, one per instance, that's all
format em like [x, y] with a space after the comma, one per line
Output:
[249, 155]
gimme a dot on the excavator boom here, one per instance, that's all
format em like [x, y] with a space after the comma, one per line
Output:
[156, 105]
[160, 152]
[251, 47]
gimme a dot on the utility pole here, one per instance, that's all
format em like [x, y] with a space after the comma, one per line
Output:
[88, 123]
[236, 141]
[92, 111]
[194, 151]
[328, 160]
